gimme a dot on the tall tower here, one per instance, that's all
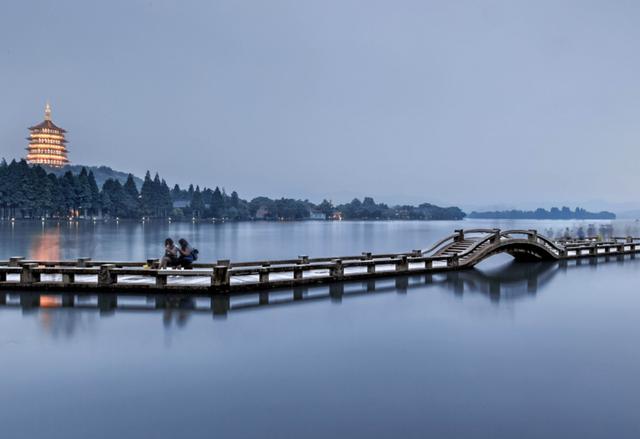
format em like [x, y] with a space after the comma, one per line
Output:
[47, 143]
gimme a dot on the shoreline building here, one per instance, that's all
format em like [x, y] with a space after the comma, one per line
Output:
[47, 143]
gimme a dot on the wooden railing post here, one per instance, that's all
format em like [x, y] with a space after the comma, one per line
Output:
[27, 276]
[225, 262]
[366, 256]
[533, 235]
[220, 276]
[460, 236]
[106, 276]
[153, 263]
[495, 239]
[337, 270]
[14, 261]
[304, 259]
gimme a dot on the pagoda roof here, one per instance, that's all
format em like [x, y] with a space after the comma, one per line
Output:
[47, 124]
[35, 139]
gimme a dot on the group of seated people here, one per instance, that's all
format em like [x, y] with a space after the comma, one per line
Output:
[181, 255]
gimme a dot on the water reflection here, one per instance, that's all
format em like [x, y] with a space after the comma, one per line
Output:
[104, 240]
[61, 314]
[46, 246]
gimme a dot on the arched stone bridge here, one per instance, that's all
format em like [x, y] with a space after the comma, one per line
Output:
[466, 248]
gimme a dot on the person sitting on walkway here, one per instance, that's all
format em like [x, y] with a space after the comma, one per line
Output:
[171, 254]
[187, 254]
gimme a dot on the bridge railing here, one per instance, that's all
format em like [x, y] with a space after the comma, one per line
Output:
[263, 274]
[459, 235]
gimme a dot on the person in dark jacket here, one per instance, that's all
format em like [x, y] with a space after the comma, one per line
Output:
[185, 253]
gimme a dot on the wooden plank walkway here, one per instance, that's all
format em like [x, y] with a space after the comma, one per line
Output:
[461, 250]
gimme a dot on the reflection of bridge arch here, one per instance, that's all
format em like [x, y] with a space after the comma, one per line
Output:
[509, 281]
[469, 247]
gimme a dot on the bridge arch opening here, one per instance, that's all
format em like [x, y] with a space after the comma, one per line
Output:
[520, 251]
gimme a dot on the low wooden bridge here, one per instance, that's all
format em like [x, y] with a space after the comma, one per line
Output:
[460, 250]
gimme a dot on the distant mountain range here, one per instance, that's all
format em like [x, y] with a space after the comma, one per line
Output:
[101, 173]
[555, 213]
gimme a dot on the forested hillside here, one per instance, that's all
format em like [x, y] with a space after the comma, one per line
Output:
[32, 192]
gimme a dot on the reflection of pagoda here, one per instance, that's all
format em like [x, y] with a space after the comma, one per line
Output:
[47, 143]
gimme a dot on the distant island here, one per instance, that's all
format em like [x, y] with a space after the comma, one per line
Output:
[32, 191]
[555, 213]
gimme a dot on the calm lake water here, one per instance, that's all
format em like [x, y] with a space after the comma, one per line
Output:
[506, 350]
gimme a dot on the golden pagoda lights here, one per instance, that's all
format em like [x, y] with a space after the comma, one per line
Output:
[47, 143]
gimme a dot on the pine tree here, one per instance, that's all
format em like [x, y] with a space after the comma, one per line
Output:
[197, 206]
[95, 194]
[147, 195]
[217, 204]
[132, 197]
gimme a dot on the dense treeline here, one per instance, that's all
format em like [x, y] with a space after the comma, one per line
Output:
[369, 210]
[32, 192]
[563, 213]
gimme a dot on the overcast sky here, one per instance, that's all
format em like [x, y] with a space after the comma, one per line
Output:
[476, 103]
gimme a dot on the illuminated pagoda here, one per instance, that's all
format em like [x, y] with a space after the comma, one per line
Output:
[47, 145]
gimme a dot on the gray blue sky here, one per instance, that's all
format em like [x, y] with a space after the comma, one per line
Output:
[479, 103]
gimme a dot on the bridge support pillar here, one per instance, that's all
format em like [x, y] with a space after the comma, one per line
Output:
[220, 276]
[263, 275]
[453, 261]
[402, 264]
[27, 276]
[106, 277]
[337, 270]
